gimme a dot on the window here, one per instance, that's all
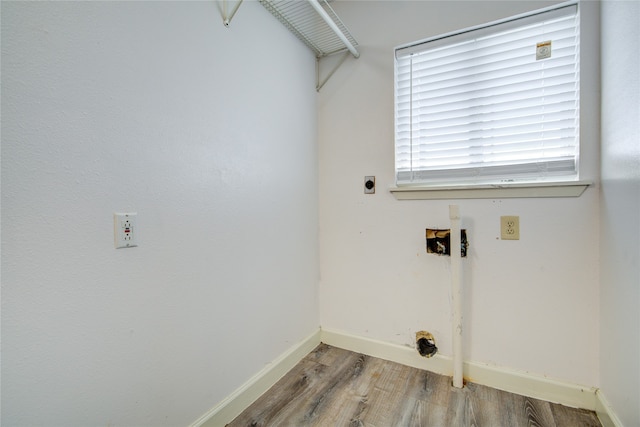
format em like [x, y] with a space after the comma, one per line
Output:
[498, 103]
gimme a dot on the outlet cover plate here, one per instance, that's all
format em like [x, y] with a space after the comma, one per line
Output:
[369, 185]
[125, 229]
[510, 227]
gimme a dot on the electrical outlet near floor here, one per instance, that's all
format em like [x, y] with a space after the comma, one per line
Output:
[125, 229]
[510, 227]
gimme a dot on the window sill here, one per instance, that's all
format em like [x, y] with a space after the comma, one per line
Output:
[494, 191]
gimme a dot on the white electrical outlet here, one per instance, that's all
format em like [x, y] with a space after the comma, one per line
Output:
[125, 230]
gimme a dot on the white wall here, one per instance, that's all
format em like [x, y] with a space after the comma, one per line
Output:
[620, 204]
[209, 133]
[530, 304]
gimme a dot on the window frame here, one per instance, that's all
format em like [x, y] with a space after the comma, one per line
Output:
[550, 187]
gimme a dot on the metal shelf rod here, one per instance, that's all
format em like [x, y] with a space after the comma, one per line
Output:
[334, 27]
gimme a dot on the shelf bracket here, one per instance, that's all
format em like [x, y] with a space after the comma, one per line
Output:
[226, 18]
[320, 83]
[317, 25]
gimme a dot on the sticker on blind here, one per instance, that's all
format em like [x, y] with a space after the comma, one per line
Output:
[543, 50]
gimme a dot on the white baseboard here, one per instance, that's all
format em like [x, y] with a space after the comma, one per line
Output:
[233, 405]
[536, 386]
[396, 353]
[510, 380]
[605, 412]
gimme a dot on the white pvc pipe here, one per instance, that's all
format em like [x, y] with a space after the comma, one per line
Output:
[316, 5]
[456, 291]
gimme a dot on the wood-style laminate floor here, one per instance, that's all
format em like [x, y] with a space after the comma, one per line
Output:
[335, 387]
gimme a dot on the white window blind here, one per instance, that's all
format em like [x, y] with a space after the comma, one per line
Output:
[489, 105]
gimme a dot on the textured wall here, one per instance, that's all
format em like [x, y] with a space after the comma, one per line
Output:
[530, 304]
[620, 222]
[209, 134]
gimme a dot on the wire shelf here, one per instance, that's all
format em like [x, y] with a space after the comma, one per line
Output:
[306, 21]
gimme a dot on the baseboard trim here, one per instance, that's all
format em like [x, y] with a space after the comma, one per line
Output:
[510, 380]
[233, 405]
[387, 351]
[506, 379]
[536, 386]
[605, 412]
